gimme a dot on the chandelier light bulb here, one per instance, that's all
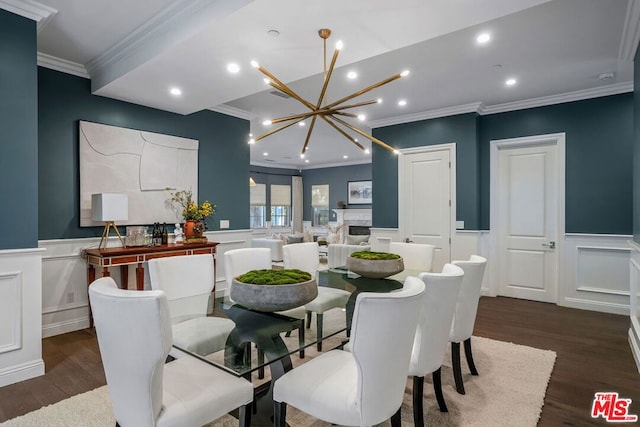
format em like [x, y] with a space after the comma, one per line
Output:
[266, 81]
[252, 141]
[366, 151]
[339, 45]
[267, 123]
[255, 64]
[405, 73]
[396, 152]
[302, 156]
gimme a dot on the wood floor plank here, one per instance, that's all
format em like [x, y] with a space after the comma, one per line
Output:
[592, 348]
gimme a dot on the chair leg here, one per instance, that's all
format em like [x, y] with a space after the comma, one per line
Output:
[319, 320]
[244, 413]
[396, 419]
[418, 397]
[437, 388]
[279, 414]
[457, 370]
[467, 352]
[301, 338]
[308, 320]
[288, 334]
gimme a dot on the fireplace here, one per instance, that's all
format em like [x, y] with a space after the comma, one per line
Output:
[358, 230]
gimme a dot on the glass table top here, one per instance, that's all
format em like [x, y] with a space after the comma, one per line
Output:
[228, 335]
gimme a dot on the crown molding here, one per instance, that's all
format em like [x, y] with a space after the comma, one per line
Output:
[309, 166]
[596, 92]
[426, 115]
[33, 10]
[231, 111]
[177, 22]
[62, 65]
[630, 32]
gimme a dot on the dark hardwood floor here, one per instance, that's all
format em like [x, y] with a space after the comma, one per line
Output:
[592, 348]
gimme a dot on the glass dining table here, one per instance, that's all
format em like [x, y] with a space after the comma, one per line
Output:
[275, 336]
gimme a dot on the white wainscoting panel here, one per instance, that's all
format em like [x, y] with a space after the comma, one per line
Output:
[65, 302]
[634, 287]
[381, 237]
[596, 273]
[20, 307]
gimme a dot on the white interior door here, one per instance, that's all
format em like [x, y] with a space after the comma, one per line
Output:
[527, 219]
[426, 200]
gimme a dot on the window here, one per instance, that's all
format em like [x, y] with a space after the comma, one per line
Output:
[258, 206]
[320, 204]
[280, 205]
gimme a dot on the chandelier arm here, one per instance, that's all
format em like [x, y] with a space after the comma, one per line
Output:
[271, 132]
[363, 133]
[302, 116]
[274, 82]
[365, 90]
[306, 141]
[359, 104]
[327, 77]
[343, 133]
[342, 113]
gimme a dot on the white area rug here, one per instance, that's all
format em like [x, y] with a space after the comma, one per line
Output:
[509, 391]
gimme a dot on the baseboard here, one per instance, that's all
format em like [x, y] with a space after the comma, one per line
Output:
[59, 328]
[602, 306]
[22, 372]
[635, 348]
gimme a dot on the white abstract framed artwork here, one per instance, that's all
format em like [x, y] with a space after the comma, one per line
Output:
[141, 165]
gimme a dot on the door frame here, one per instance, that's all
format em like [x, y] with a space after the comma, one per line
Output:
[402, 202]
[557, 139]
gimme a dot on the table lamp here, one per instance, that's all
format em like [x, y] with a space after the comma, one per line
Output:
[109, 207]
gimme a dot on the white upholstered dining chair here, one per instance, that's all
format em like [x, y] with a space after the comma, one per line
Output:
[305, 257]
[415, 256]
[239, 261]
[188, 282]
[464, 317]
[364, 386]
[432, 334]
[134, 336]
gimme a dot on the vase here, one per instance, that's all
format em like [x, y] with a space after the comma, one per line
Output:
[193, 229]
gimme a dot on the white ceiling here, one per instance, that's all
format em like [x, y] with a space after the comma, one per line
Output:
[137, 50]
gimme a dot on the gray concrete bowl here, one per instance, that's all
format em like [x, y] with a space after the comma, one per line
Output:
[273, 297]
[375, 268]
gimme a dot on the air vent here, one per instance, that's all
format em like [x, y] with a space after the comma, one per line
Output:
[280, 94]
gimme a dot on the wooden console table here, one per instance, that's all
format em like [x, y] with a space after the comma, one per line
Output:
[124, 257]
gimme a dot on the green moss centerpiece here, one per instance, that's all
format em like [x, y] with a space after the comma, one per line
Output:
[375, 265]
[273, 290]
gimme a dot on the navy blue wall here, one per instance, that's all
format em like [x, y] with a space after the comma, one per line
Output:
[461, 129]
[337, 178]
[18, 132]
[64, 100]
[599, 146]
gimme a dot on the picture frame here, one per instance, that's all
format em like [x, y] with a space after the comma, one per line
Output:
[359, 192]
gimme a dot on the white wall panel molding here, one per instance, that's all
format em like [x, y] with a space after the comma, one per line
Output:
[65, 302]
[381, 237]
[634, 288]
[20, 315]
[11, 313]
[596, 273]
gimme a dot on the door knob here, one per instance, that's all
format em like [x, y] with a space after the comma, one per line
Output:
[550, 245]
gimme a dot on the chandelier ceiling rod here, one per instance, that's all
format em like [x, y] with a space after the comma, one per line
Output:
[327, 112]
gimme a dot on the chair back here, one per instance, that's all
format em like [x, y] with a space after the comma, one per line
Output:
[464, 317]
[432, 333]
[382, 332]
[303, 256]
[239, 261]
[415, 256]
[180, 277]
[134, 335]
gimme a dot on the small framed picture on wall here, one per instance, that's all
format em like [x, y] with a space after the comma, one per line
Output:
[360, 192]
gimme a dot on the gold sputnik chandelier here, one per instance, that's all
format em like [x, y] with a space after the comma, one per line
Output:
[327, 112]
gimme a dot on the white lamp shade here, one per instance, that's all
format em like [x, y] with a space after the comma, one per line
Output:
[109, 207]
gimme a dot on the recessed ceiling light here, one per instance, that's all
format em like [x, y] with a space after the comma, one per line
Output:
[250, 135]
[175, 91]
[345, 157]
[306, 161]
[402, 102]
[273, 33]
[379, 100]
[352, 75]
[233, 68]
[302, 156]
[265, 154]
[510, 82]
[302, 124]
[483, 38]
[362, 117]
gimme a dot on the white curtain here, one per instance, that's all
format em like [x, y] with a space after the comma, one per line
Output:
[296, 184]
